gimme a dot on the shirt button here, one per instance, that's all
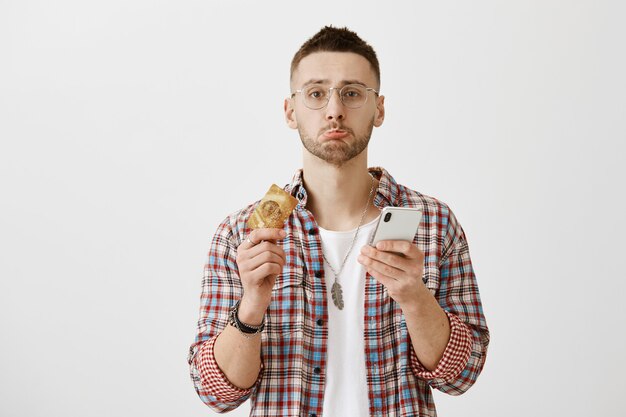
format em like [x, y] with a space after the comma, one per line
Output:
[312, 415]
[320, 322]
[312, 231]
[318, 274]
[300, 196]
[317, 370]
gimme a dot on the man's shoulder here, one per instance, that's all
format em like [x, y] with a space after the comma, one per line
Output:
[408, 197]
[437, 217]
[402, 196]
[236, 222]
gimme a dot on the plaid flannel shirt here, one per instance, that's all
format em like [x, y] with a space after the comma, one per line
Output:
[293, 344]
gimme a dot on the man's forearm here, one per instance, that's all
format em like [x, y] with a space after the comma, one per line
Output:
[238, 357]
[429, 328]
[259, 261]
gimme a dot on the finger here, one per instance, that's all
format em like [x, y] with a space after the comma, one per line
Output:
[263, 258]
[268, 234]
[385, 280]
[264, 271]
[381, 268]
[399, 261]
[256, 236]
[262, 247]
[403, 247]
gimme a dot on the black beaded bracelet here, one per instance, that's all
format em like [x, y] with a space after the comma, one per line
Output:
[246, 329]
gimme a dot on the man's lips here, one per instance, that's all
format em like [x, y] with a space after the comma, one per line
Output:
[335, 134]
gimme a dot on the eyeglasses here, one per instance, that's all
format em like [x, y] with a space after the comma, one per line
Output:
[352, 96]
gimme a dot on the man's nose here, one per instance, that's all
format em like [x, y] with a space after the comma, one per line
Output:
[335, 108]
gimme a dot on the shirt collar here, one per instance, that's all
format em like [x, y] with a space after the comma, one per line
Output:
[387, 193]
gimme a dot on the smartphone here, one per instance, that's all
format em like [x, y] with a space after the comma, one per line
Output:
[397, 223]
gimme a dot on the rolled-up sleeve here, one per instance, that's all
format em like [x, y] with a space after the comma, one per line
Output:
[214, 384]
[221, 288]
[455, 355]
[457, 294]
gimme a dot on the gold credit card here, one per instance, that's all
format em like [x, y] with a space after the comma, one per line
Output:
[273, 210]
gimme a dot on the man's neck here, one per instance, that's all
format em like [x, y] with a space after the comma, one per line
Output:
[337, 195]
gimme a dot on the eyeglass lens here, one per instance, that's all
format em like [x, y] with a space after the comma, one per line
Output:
[352, 96]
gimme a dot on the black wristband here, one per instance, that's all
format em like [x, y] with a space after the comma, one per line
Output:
[234, 321]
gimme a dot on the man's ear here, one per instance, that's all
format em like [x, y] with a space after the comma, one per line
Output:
[380, 111]
[290, 114]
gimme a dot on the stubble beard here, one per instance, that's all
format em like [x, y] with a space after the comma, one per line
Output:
[337, 152]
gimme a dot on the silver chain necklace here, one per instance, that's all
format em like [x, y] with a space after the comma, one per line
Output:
[336, 291]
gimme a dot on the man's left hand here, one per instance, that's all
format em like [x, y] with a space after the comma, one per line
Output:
[398, 265]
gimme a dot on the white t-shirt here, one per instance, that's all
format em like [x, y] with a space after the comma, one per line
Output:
[346, 391]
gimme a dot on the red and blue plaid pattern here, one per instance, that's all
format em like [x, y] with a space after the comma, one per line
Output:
[293, 350]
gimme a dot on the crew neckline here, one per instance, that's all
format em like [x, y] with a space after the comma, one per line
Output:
[348, 232]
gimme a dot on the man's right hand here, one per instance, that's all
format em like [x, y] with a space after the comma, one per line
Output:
[260, 260]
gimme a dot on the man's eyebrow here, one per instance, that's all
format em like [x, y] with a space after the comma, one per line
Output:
[346, 82]
[315, 81]
[341, 83]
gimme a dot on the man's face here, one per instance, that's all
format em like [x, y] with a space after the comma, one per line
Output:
[334, 133]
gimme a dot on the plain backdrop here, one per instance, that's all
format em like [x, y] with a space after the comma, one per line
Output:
[130, 129]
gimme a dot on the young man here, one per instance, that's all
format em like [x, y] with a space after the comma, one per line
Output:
[410, 317]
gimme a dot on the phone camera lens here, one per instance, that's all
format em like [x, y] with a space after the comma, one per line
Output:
[387, 217]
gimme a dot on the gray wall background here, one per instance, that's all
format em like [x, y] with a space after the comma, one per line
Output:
[130, 129]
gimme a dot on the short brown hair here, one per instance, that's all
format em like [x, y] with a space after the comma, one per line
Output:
[331, 39]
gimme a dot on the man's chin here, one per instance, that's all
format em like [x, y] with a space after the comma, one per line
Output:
[337, 162]
[336, 157]
[335, 152]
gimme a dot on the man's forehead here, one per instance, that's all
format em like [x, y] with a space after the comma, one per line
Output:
[336, 83]
[334, 67]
